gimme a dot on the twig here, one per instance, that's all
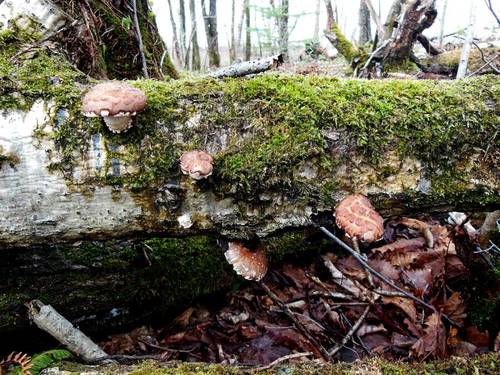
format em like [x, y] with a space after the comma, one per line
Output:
[139, 40]
[487, 63]
[490, 7]
[372, 55]
[49, 320]
[282, 359]
[382, 277]
[351, 332]
[302, 329]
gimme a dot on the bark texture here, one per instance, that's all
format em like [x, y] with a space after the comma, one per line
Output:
[364, 24]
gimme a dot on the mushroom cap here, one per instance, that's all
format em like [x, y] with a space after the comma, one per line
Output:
[252, 265]
[197, 164]
[357, 217]
[113, 98]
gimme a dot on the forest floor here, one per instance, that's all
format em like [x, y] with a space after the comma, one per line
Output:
[362, 322]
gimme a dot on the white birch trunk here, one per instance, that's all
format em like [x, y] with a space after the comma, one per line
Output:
[464, 58]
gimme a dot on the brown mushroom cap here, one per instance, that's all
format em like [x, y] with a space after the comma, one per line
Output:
[113, 98]
[357, 217]
[197, 164]
[252, 265]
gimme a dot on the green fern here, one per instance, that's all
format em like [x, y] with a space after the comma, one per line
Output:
[46, 359]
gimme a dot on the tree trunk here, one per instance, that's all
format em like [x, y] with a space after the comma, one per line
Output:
[316, 20]
[99, 38]
[176, 43]
[248, 39]
[365, 33]
[195, 49]
[441, 25]
[232, 42]
[283, 29]
[464, 58]
[182, 36]
[374, 17]
[210, 20]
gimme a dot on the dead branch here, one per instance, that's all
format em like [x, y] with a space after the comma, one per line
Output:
[302, 329]
[351, 332]
[49, 320]
[249, 67]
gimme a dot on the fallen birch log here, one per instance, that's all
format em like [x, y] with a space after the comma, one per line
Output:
[285, 150]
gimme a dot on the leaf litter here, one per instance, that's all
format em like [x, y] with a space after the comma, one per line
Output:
[330, 296]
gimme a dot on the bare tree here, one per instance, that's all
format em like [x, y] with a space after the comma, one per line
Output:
[193, 42]
[210, 20]
[316, 20]
[441, 26]
[490, 7]
[182, 17]
[248, 39]
[240, 29]
[464, 58]
[375, 17]
[176, 44]
[232, 42]
[283, 28]
[365, 32]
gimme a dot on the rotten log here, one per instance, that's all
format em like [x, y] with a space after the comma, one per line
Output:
[285, 148]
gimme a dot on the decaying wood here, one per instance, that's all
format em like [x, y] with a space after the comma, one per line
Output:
[249, 67]
[50, 321]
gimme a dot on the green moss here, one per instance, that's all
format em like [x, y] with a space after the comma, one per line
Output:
[485, 364]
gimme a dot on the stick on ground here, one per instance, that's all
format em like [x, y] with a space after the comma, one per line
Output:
[49, 320]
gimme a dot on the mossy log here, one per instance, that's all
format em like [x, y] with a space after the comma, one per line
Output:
[447, 62]
[102, 286]
[286, 150]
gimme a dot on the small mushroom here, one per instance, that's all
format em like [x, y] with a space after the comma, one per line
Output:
[252, 265]
[116, 102]
[359, 220]
[197, 164]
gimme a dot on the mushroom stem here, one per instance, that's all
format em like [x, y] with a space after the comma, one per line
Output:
[118, 124]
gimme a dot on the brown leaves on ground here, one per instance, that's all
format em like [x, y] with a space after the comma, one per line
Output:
[328, 296]
[433, 342]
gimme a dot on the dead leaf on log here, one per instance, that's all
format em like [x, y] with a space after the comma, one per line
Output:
[454, 307]
[405, 304]
[433, 342]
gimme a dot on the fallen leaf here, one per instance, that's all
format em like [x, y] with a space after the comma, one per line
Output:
[443, 240]
[422, 227]
[433, 342]
[402, 341]
[454, 307]
[405, 304]
[476, 337]
[385, 268]
[454, 267]
[419, 280]
[404, 245]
